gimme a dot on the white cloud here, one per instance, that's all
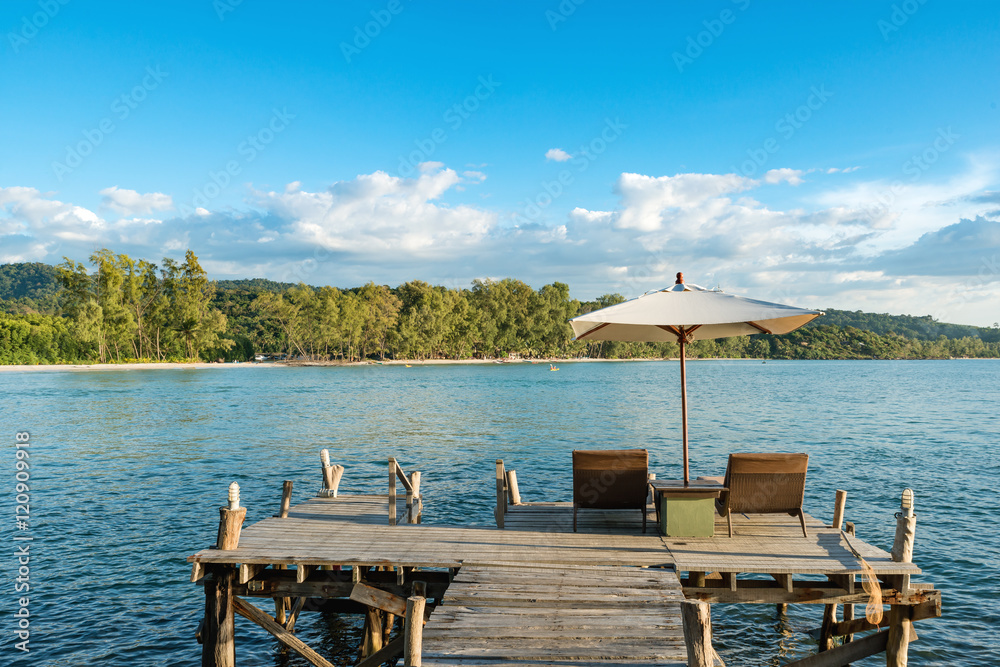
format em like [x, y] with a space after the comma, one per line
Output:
[646, 200]
[922, 251]
[34, 214]
[557, 155]
[130, 202]
[790, 176]
[378, 213]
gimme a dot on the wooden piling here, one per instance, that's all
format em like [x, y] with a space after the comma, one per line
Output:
[697, 619]
[826, 629]
[392, 491]
[286, 499]
[900, 616]
[848, 612]
[373, 632]
[231, 520]
[501, 507]
[838, 510]
[331, 475]
[514, 493]
[412, 496]
[218, 647]
[413, 631]
[826, 642]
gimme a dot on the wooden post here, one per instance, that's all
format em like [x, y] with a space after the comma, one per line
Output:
[906, 525]
[697, 618]
[849, 608]
[392, 491]
[218, 635]
[373, 632]
[900, 621]
[331, 475]
[501, 507]
[413, 631]
[286, 499]
[279, 610]
[512, 490]
[231, 520]
[838, 510]
[830, 611]
[218, 648]
[826, 630]
[413, 493]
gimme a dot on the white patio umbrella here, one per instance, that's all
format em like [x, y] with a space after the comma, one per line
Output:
[685, 313]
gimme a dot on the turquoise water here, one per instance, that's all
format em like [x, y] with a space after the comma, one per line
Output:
[128, 469]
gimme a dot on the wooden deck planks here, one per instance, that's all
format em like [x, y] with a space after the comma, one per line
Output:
[568, 616]
[353, 530]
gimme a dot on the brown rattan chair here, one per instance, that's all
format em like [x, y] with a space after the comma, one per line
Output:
[610, 479]
[764, 484]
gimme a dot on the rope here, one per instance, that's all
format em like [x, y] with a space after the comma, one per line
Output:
[870, 584]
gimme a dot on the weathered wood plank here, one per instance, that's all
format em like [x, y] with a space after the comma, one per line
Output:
[558, 614]
[846, 653]
[374, 597]
[250, 612]
[392, 650]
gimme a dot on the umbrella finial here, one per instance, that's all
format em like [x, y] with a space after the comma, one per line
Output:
[680, 278]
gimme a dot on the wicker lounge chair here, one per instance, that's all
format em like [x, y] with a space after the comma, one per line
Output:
[764, 484]
[610, 479]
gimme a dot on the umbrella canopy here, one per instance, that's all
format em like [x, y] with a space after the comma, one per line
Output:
[685, 313]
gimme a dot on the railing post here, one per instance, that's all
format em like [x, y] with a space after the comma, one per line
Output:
[501, 507]
[392, 491]
[412, 495]
[513, 493]
[838, 510]
[286, 499]
[900, 623]
[331, 475]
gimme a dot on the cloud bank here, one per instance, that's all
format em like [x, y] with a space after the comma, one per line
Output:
[801, 237]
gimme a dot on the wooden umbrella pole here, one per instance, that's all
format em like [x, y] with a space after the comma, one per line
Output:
[684, 409]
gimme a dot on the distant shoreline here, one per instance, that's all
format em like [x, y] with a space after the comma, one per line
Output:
[204, 365]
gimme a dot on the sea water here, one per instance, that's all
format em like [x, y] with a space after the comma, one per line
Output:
[128, 469]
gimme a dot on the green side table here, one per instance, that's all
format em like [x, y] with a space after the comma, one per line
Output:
[685, 511]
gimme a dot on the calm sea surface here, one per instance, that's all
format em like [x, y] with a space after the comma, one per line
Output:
[128, 469]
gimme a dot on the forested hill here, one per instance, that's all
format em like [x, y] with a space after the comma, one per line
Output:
[29, 287]
[118, 309]
[908, 326]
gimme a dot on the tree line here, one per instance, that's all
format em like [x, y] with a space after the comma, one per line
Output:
[119, 309]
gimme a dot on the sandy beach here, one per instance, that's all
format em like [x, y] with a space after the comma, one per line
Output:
[289, 364]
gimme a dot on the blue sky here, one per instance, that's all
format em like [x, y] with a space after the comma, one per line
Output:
[840, 155]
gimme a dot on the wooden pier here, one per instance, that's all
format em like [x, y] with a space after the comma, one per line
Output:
[531, 591]
[572, 614]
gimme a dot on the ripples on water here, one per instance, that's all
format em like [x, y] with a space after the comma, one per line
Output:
[129, 467]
